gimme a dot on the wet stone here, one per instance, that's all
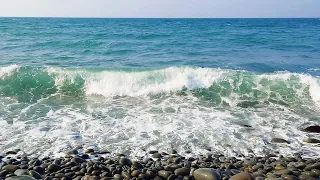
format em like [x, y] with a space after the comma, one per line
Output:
[289, 177]
[20, 178]
[206, 174]
[182, 171]
[242, 176]
[53, 168]
[35, 174]
[164, 174]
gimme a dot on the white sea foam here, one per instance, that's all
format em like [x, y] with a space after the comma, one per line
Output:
[7, 70]
[121, 83]
[134, 121]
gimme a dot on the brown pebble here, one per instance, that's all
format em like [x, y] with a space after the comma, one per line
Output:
[242, 176]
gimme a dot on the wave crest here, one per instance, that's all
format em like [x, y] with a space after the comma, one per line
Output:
[220, 86]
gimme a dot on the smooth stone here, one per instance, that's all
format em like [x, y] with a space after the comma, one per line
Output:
[172, 177]
[125, 161]
[118, 176]
[78, 160]
[289, 177]
[259, 173]
[20, 172]
[153, 152]
[35, 174]
[301, 165]
[257, 166]
[164, 174]
[38, 169]
[312, 129]
[87, 177]
[89, 151]
[182, 171]
[242, 176]
[312, 140]
[206, 174]
[137, 165]
[53, 168]
[126, 175]
[279, 140]
[12, 152]
[313, 166]
[85, 156]
[309, 173]
[316, 172]
[3, 173]
[279, 167]
[73, 152]
[283, 172]
[20, 178]
[235, 171]
[10, 168]
[156, 155]
[305, 177]
[135, 173]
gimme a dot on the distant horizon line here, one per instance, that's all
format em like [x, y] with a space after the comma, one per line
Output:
[75, 17]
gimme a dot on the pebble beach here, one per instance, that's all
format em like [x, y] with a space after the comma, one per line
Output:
[80, 164]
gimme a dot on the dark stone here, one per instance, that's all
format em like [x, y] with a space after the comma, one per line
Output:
[135, 173]
[206, 174]
[53, 168]
[20, 178]
[89, 151]
[35, 174]
[38, 169]
[118, 176]
[10, 168]
[37, 162]
[85, 156]
[152, 152]
[305, 177]
[182, 171]
[279, 140]
[73, 152]
[87, 177]
[257, 166]
[20, 172]
[164, 174]
[11, 152]
[313, 166]
[172, 177]
[78, 160]
[312, 140]
[283, 172]
[137, 165]
[242, 176]
[316, 172]
[126, 175]
[235, 171]
[289, 177]
[125, 161]
[156, 155]
[312, 129]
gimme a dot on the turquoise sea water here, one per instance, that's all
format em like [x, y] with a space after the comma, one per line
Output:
[188, 84]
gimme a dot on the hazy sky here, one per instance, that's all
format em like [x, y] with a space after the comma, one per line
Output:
[161, 8]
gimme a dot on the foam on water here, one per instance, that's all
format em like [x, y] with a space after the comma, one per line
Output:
[119, 83]
[7, 70]
[126, 111]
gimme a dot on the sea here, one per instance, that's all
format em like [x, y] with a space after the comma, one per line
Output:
[128, 86]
